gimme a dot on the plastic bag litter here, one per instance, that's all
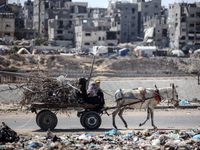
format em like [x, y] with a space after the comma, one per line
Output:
[112, 132]
[183, 101]
[128, 136]
[197, 137]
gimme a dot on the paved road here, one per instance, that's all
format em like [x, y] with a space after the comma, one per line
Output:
[73, 123]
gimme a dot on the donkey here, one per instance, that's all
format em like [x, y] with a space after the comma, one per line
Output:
[134, 98]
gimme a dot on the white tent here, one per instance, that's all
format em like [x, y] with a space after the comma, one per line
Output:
[178, 53]
[23, 51]
[197, 53]
[145, 50]
[99, 50]
[3, 47]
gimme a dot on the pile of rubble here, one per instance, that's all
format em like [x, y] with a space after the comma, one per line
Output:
[112, 139]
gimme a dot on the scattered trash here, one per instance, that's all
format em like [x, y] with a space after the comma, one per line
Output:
[197, 137]
[112, 132]
[7, 134]
[183, 101]
[147, 139]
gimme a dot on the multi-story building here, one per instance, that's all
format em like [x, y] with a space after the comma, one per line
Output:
[77, 9]
[61, 29]
[45, 10]
[156, 30]
[61, 32]
[91, 32]
[147, 9]
[184, 25]
[28, 14]
[7, 26]
[124, 17]
[97, 12]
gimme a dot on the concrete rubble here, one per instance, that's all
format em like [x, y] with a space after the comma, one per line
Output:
[113, 139]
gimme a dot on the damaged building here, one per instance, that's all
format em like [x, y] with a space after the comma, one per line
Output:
[124, 17]
[61, 28]
[93, 32]
[156, 30]
[61, 32]
[48, 9]
[97, 12]
[147, 9]
[7, 26]
[7, 22]
[184, 26]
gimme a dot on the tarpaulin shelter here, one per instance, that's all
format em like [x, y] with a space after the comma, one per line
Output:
[100, 50]
[23, 51]
[197, 53]
[178, 53]
[124, 51]
[3, 48]
[145, 50]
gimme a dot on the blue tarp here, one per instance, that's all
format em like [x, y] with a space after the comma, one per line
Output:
[124, 51]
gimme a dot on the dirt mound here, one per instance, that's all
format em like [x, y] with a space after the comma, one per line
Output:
[83, 63]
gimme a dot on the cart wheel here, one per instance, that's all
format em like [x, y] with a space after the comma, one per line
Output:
[37, 120]
[91, 120]
[81, 120]
[47, 120]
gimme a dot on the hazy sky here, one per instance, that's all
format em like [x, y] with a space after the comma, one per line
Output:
[104, 3]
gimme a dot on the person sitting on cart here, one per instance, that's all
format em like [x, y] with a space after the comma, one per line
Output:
[95, 90]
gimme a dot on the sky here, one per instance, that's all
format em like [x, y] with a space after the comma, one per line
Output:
[104, 3]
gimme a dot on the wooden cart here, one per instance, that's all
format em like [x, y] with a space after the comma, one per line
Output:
[46, 114]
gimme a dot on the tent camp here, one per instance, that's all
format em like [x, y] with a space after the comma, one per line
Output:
[179, 53]
[99, 50]
[123, 52]
[3, 49]
[145, 50]
[197, 53]
[23, 51]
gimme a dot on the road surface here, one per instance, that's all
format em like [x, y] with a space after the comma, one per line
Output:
[164, 119]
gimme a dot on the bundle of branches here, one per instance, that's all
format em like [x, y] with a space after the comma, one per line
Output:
[49, 90]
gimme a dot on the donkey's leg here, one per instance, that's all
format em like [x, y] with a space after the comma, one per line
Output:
[114, 115]
[148, 114]
[120, 115]
[152, 116]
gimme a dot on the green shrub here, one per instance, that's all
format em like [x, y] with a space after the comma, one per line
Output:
[15, 48]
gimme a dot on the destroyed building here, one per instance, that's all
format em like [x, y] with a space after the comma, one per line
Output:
[7, 26]
[93, 32]
[147, 9]
[97, 12]
[184, 26]
[156, 31]
[77, 9]
[61, 32]
[45, 10]
[124, 18]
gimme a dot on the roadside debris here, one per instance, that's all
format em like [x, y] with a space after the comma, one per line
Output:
[183, 101]
[7, 134]
[113, 139]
